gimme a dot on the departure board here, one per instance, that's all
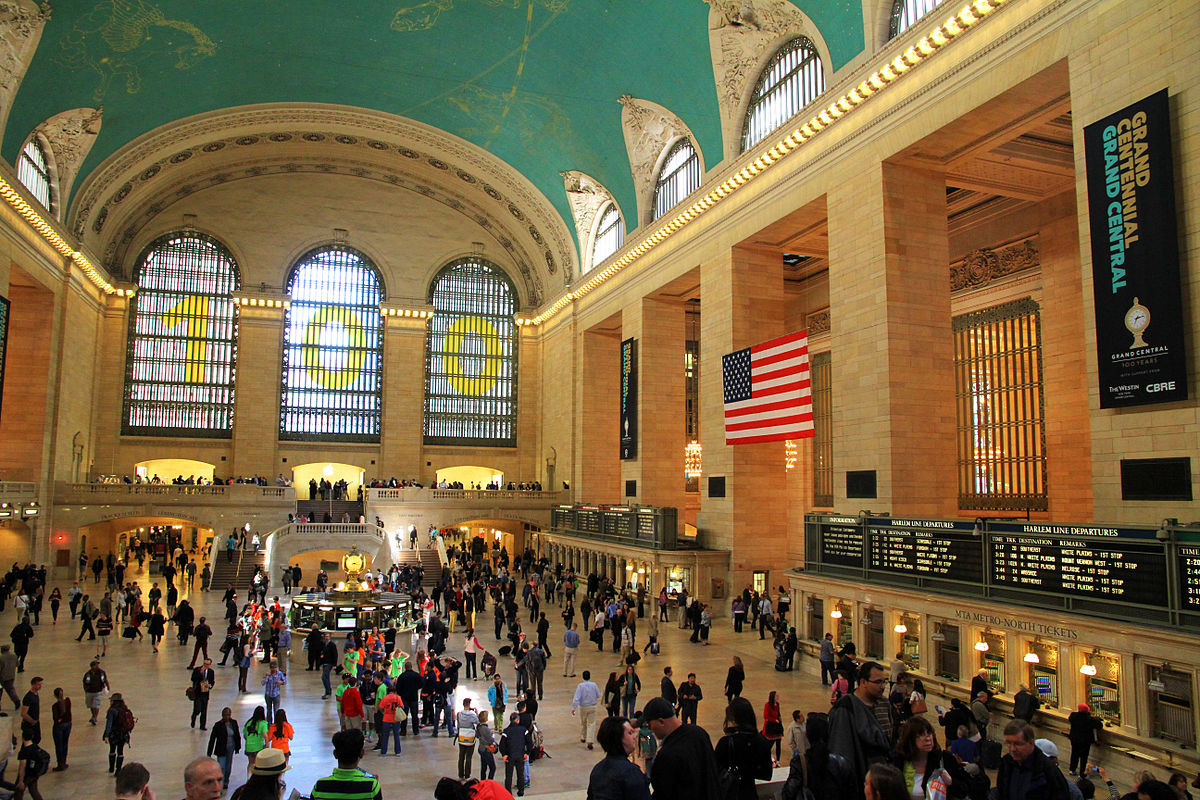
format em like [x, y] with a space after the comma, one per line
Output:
[943, 549]
[1188, 559]
[588, 519]
[1100, 563]
[841, 541]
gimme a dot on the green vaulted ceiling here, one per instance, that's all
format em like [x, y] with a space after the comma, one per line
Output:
[534, 82]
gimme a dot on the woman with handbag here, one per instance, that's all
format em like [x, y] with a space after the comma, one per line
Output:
[773, 725]
[916, 700]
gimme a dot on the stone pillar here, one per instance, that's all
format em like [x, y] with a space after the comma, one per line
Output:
[658, 327]
[892, 344]
[256, 404]
[742, 304]
[598, 465]
[403, 399]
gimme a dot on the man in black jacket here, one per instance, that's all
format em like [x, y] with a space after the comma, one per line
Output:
[685, 767]
[314, 643]
[667, 689]
[514, 747]
[408, 686]
[1026, 773]
[203, 678]
[329, 660]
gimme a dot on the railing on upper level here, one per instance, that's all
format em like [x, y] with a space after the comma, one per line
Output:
[413, 494]
[17, 491]
[329, 529]
[157, 492]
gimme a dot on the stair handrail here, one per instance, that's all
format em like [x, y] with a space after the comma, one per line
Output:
[441, 551]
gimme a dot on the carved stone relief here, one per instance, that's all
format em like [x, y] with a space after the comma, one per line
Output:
[70, 136]
[741, 32]
[648, 129]
[21, 23]
[818, 322]
[981, 267]
[586, 196]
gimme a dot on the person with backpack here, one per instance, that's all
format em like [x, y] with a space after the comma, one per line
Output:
[34, 762]
[118, 731]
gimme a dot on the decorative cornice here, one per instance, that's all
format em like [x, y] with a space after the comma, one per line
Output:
[980, 267]
[818, 322]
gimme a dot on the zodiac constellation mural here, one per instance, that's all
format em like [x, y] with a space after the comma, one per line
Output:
[424, 16]
[118, 35]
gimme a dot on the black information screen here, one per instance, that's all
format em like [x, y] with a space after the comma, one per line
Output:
[562, 518]
[645, 527]
[1104, 569]
[841, 542]
[1189, 577]
[588, 520]
[927, 548]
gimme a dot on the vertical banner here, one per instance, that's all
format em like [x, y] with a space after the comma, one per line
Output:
[1135, 256]
[628, 399]
[4, 309]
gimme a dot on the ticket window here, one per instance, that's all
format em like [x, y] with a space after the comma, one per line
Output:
[1102, 685]
[1042, 674]
[873, 635]
[844, 631]
[1171, 709]
[910, 641]
[816, 619]
[992, 659]
[946, 651]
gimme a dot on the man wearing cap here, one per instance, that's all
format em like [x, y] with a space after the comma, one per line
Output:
[348, 780]
[685, 767]
[587, 696]
[202, 778]
[1026, 773]
[1050, 750]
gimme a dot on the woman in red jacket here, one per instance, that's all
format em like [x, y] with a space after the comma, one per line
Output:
[773, 724]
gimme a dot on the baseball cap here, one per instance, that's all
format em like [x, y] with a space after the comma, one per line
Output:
[657, 708]
[1047, 747]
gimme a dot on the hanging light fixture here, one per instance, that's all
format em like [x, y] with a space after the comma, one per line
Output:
[693, 460]
[982, 646]
[790, 454]
[1087, 669]
[836, 613]
[1032, 658]
[900, 628]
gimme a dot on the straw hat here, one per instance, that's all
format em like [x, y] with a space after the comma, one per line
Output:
[270, 762]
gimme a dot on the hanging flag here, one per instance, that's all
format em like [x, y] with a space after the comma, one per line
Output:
[768, 396]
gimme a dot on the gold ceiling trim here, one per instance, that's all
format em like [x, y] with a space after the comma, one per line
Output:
[935, 39]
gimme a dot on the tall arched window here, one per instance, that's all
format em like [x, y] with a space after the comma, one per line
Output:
[679, 177]
[33, 170]
[332, 348]
[906, 12]
[792, 79]
[610, 234]
[471, 357]
[180, 368]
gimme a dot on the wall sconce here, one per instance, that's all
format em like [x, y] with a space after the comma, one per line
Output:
[1087, 669]
[900, 628]
[982, 646]
[1032, 658]
[836, 613]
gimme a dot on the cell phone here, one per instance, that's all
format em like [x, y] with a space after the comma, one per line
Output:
[1094, 769]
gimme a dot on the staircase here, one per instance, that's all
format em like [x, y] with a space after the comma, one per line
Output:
[238, 572]
[428, 558]
[316, 510]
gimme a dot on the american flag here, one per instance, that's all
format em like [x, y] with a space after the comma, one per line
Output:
[767, 391]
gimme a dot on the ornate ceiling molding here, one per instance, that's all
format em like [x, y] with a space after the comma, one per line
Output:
[586, 196]
[981, 267]
[649, 128]
[137, 215]
[21, 24]
[70, 136]
[287, 133]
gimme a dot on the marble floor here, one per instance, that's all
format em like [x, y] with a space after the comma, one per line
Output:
[154, 686]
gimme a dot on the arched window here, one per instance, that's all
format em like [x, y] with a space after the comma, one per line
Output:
[471, 357]
[33, 170]
[679, 177]
[179, 376]
[792, 79]
[332, 348]
[610, 234]
[906, 12]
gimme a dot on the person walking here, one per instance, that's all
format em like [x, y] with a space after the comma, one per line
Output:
[486, 743]
[104, 629]
[280, 734]
[20, 635]
[471, 649]
[690, 695]
[389, 707]
[118, 731]
[55, 602]
[8, 674]
[497, 696]
[61, 731]
[743, 748]
[95, 684]
[585, 702]
[224, 742]
[254, 735]
[156, 627]
[514, 747]
[31, 724]
[630, 684]
[773, 725]
[203, 678]
[734, 679]
[273, 683]
[202, 632]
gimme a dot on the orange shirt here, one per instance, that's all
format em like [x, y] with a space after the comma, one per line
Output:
[280, 739]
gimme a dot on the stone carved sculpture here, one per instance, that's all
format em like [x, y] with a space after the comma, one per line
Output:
[21, 23]
[70, 136]
[648, 128]
[586, 196]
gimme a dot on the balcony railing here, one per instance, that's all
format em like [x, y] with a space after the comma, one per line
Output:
[142, 492]
[330, 529]
[411, 494]
[17, 491]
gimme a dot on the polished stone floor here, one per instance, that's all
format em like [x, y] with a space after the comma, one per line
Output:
[154, 687]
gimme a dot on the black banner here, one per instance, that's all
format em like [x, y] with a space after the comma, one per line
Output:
[628, 399]
[1135, 256]
[4, 312]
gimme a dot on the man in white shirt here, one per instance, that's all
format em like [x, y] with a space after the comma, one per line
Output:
[586, 701]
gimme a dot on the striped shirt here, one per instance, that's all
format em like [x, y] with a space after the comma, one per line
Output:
[347, 784]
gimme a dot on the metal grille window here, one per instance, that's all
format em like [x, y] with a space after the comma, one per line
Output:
[610, 234]
[33, 170]
[1001, 435]
[332, 348]
[679, 177]
[791, 80]
[182, 346]
[471, 357]
[822, 448]
[907, 12]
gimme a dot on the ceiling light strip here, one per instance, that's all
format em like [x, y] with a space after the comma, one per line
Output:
[39, 224]
[938, 37]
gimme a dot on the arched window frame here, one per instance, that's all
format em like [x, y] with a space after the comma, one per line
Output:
[343, 402]
[472, 404]
[905, 13]
[678, 177]
[181, 362]
[35, 171]
[793, 78]
[609, 233]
